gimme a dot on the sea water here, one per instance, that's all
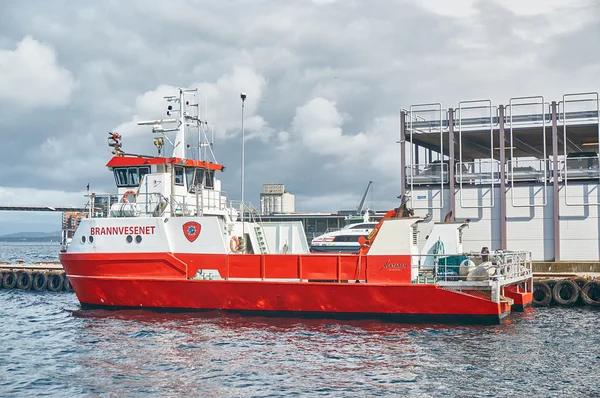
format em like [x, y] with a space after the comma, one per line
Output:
[49, 346]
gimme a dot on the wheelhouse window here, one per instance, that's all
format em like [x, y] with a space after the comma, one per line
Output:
[121, 177]
[143, 171]
[209, 179]
[133, 178]
[195, 178]
[189, 177]
[129, 177]
[178, 175]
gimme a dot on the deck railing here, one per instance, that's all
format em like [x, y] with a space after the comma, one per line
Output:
[155, 204]
[473, 268]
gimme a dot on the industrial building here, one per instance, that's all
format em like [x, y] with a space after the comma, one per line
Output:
[525, 173]
[275, 199]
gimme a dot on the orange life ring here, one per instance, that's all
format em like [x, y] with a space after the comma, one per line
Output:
[234, 244]
[132, 192]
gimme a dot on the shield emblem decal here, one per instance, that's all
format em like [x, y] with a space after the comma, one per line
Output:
[191, 230]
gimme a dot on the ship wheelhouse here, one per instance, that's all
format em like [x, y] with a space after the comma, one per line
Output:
[152, 183]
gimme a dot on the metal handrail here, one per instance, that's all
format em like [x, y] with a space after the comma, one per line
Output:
[437, 105]
[494, 174]
[535, 175]
[512, 147]
[564, 101]
[156, 204]
[443, 175]
[504, 265]
[460, 151]
[252, 213]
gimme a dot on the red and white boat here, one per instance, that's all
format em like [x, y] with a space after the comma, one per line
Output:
[172, 240]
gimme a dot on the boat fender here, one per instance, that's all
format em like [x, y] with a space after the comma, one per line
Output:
[9, 281]
[580, 282]
[40, 282]
[550, 283]
[479, 273]
[465, 267]
[55, 282]
[67, 284]
[591, 293]
[565, 292]
[542, 294]
[234, 244]
[126, 195]
[24, 281]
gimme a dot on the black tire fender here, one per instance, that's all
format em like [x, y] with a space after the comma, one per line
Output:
[24, 280]
[591, 293]
[580, 281]
[55, 282]
[565, 292]
[40, 282]
[9, 280]
[542, 295]
[67, 284]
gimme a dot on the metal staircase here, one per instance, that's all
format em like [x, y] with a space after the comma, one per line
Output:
[260, 236]
[254, 218]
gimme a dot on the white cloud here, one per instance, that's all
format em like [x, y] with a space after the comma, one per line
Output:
[31, 76]
[221, 99]
[540, 7]
[458, 9]
[467, 8]
[318, 125]
[224, 103]
[324, 82]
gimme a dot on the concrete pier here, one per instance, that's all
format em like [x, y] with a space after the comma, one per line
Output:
[566, 267]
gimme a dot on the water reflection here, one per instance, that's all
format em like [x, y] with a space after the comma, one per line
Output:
[224, 353]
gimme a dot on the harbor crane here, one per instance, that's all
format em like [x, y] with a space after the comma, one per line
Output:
[361, 205]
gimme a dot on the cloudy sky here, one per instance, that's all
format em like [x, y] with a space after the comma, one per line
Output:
[325, 81]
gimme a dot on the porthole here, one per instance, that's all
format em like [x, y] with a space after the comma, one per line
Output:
[91, 239]
[138, 239]
[83, 239]
[129, 239]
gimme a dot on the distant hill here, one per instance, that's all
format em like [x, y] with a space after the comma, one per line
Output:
[31, 237]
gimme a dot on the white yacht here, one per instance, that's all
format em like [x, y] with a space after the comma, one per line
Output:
[345, 239]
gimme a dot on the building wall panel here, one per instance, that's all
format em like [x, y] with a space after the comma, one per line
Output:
[529, 228]
[579, 225]
[530, 224]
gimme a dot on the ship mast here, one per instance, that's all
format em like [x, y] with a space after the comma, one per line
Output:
[179, 146]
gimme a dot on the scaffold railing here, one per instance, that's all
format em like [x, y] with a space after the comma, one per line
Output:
[581, 99]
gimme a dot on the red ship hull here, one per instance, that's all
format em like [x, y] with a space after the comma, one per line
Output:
[329, 300]
[163, 282]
